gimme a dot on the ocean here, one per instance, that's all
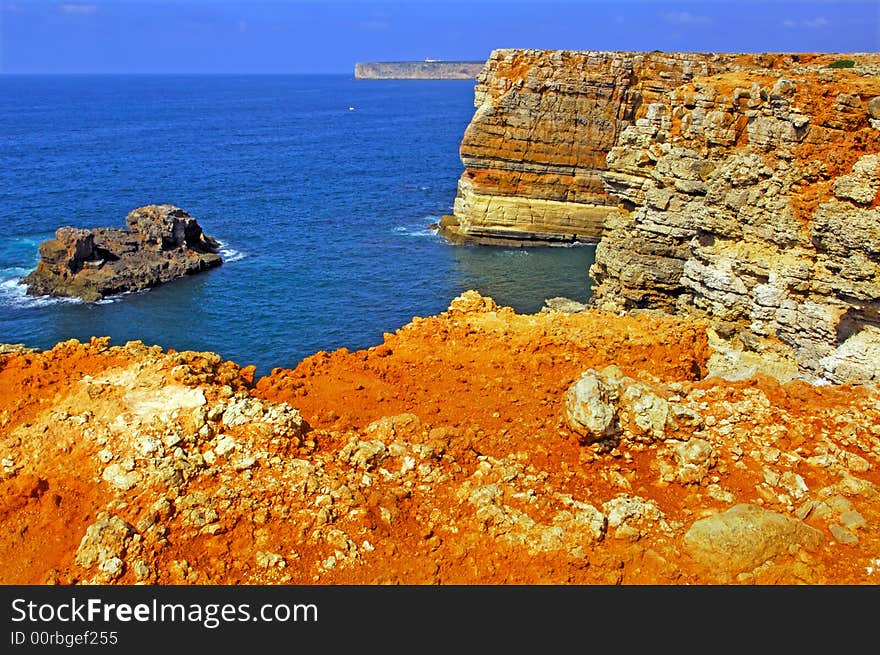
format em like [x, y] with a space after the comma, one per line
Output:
[320, 188]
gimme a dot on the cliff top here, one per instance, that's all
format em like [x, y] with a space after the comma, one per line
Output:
[427, 62]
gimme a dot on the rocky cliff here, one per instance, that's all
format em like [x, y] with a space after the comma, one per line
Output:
[476, 446]
[752, 200]
[417, 70]
[544, 123]
[740, 188]
[571, 446]
[158, 244]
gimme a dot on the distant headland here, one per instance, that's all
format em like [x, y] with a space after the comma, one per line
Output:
[429, 69]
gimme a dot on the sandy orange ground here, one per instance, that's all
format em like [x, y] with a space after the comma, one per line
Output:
[481, 391]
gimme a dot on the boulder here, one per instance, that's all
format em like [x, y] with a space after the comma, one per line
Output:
[591, 406]
[743, 538]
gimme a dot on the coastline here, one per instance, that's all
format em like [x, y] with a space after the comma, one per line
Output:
[418, 70]
[712, 417]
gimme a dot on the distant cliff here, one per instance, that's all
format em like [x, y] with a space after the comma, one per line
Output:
[418, 70]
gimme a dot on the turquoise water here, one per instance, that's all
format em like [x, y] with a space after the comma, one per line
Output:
[321, 189]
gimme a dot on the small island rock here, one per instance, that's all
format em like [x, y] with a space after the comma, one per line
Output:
[158, 244]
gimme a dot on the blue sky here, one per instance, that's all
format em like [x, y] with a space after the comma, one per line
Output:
[312, 36]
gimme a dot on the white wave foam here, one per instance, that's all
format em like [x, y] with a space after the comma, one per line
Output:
[231, 254]
[14, 294]
[421, 231]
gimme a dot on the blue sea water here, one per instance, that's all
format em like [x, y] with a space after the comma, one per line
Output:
[321, 189]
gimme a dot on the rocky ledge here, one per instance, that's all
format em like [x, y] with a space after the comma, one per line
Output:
[158, 244]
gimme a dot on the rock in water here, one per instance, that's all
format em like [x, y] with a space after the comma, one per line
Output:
[160, 243]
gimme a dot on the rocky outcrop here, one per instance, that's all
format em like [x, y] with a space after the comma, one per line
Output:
[417, 70]
[159, 243]
[752, 202]
[742, 189]
[453, 452]
[535, 149]
[607, 404]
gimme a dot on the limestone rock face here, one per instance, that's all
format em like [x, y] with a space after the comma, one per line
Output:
[161, 242]
[753, 203]
[535, 150]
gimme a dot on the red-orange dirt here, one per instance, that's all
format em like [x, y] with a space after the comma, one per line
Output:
[444, 455]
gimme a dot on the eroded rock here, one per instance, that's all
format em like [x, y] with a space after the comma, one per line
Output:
[160, 243]
[745, 537]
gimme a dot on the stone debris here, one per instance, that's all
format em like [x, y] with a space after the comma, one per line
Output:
[591, 406]
[693, 459]
[605, 404]
[565, 305]
[105, 544]
[633, 517]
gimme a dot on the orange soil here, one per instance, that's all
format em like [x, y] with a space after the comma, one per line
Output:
[482, 383]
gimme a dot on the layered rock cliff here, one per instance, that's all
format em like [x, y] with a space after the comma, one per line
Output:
[572, 446]
[476, 446]
[753, 200]
[158, 244]
[544, 123]
[740, 188]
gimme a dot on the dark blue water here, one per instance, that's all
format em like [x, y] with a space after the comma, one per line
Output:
[321, 189]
